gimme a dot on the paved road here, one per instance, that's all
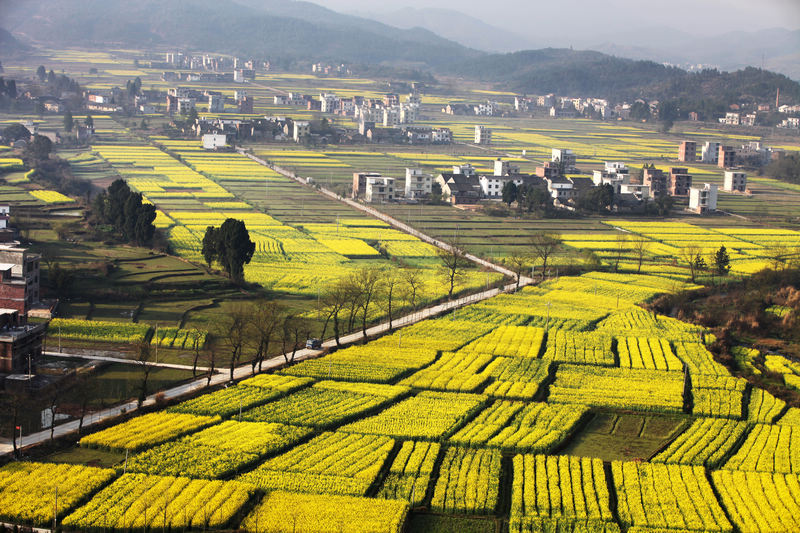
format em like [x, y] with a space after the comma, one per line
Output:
[245, 370]
[122, 360]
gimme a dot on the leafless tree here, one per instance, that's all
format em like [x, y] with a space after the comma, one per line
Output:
[295, 330]
[621, 244]
[389, 288]
[693, 257]
[143, 360]
[332, 302]
[233, 330]
[641, 245]
[266, 317]
[212, 359]
[454, 264]
[366, 282]
[519, 263]
[413, 285]
[544, 246]
[196, 337]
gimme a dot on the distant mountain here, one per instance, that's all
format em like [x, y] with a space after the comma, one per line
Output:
[296, 30]
[574, 72]
[456, 26]
[9, 44]
[777, 49]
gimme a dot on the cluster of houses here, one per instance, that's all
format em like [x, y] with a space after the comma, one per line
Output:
[242, 70]
[465, 186]
[183, 99]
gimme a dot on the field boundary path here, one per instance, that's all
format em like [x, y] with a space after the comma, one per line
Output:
[386, 218]
[123, 360]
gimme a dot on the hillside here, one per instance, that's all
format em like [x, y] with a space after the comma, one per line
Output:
[289, 30]
[566, 71]
[9, 44]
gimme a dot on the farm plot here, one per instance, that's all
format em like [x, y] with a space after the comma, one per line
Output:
[707, 442]
[468, 482]
[410, 473]
[140, 501]
[147, 430]
[332, 463]
[217, 451]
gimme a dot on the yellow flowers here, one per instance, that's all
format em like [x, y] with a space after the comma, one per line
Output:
[468, 482]
[139, 501]
[769, 448]
[426, 415]
[760, 501]
[706, 443]
[666, 496]
[410, 472]
[147, 430]
[560, 488]
[326, 403]
[92, 330]
[334, 463]
[50, 197]
[28, 490]
[283, 512]
[645, 390]
[217, 451]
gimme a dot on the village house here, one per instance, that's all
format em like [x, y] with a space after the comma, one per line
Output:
[20, 343]
[735, 181]
[703, 200]
[418, 184]
[379, 189]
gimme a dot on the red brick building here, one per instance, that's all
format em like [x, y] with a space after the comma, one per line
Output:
[687, 152]
[20, 344]
[19, 278]
[680, 181]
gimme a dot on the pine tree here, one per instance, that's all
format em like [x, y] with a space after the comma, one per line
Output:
[722, 261]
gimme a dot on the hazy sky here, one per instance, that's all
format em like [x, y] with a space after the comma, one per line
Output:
[601, 16]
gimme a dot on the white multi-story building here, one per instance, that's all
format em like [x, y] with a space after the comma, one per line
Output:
[379, 189]
[301, 129]
[408, 113]
[615, 174]
[735, 181]
[418, 183]
[328, 102]
[391, 116]
[504, 168]
[492, 186]
[466, 169]
[214, 141]
[703, 200]
[216, 103]
[792, 123]
[441, 135]
[730, 119]
[483, 135]
[709, 153]
[565, 156]
[185, 105]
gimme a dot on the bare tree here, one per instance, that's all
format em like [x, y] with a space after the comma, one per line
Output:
[641, 245]
[196, 337]
[544, 246]
[295, 330]
[266, 318]
[233, 330]
[621, 244]
[389, 288]
[332, 302]
[212, 359]
[693, 257]
[413, 285]
[143, 360]
[519, 263]
[366, 283]
[779, 256]
[454, 263]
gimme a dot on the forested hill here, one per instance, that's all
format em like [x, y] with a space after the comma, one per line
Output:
[272, 30]
[573, 72]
